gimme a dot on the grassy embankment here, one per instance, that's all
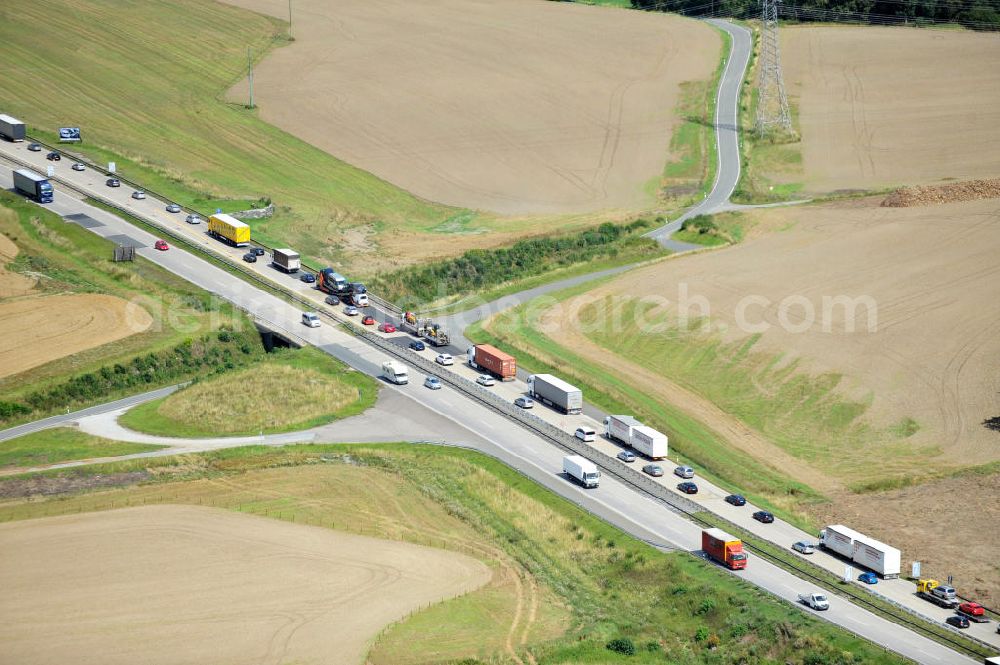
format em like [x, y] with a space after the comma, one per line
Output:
[155, 107]
[191, 332]
[589, 582]
[727, 228]
[289, 390]
[60, 445]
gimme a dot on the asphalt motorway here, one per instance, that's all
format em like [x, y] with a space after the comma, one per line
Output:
[489, 431]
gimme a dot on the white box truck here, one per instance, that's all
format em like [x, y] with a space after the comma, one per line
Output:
[556, 393]
[395, 372]
[11, 128]
[286, 260]
[862, 550]
[581, 470]
[631, 432]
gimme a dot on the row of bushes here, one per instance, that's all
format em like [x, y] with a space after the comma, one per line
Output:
[213, 352]
[974, 14]
[484, 268]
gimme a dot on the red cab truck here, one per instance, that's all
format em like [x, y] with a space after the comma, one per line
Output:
[493, 360]
[724, 548]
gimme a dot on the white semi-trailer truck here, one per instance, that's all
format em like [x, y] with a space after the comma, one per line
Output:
[867, 552]
[632, 433]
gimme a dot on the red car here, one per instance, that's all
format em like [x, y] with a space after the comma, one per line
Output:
[972, 609]
[387, 327]
[368, 321]
[161, 245]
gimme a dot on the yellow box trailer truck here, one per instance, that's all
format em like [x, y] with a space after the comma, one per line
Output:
[229, 229]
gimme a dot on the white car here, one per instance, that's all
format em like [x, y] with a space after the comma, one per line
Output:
[79, 167]
[310, 319]
[193, 219]
[485, 380]
[444, 359]
[585, 434]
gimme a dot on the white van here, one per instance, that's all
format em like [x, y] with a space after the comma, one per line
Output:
[585, 434]
[310, 319]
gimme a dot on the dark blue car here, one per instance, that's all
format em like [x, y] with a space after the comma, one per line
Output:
[308, 278]
[417, 345]
[736, 500]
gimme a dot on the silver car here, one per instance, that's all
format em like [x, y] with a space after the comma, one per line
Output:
[524, 402]
[79, 167]
[684, 472]
[173, 207]
[803, 547]
[432, 382]
[138, 195]
[193, 219]
[351, 310]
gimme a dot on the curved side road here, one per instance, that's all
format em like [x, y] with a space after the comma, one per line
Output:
[727, 135]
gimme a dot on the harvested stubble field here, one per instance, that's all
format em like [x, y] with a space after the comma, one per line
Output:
[516, 107]
[62, 325]
[866, 124]
[11, 283]
[845, 412]
[190, 584]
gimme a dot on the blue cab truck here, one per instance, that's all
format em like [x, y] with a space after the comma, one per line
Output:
[33, 185]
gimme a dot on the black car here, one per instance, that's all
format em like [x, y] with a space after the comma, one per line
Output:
[113, 182]
[308, 278]
[958, 621]
[257, 251]
[417, 345]
[250, 257]
[34, 147]
[736, 500]
[763, 516]
[688, 487]
[53, 156]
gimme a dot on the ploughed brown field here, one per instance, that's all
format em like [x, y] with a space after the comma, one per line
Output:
[880, 107]
[515, 107]
[187, 584]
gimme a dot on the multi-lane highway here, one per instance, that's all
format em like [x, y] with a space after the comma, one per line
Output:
[535, 456]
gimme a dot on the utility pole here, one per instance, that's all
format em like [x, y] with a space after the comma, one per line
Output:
[250, 74]
[772, 104]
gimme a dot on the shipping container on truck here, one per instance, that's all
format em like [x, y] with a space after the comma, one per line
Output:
[33, 185]
[632, 433]
[582, 471]
[857, 547]
[330, 281]
[286, 260]
[228, 229]
[556, 393]
[493, 360]
[11, 129]
[724, 548]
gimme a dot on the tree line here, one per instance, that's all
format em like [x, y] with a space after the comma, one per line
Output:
[973, 14]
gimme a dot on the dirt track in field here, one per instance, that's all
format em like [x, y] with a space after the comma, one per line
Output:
[882, 107]
[516, 107]
[185, 584]
[36, 330]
